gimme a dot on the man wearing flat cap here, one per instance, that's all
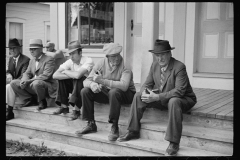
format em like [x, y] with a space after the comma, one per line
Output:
[37, 82]
[70, 76]
[109, 82]
[56, 54]
[17, 65]
[167, 87]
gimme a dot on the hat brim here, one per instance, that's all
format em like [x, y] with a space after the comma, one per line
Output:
[14, 46]
[72, 50]
[34, 47]
[161, 52]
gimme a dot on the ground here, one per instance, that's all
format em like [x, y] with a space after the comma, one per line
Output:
[16, 148]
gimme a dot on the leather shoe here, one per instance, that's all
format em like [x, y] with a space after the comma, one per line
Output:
[172, 149]
[10, 114]
[30, 102]
[90, 128]
[75, 115]
[114, 133]
[129, 136]
[42, 104]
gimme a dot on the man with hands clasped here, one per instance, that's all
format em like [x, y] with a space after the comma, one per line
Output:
[172, 91]
[109, 82]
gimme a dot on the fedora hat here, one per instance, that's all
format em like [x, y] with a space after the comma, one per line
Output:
[161, 46]
[13, 43]
[73, 46]
[112, 49]
[35, 43]
[49, 44]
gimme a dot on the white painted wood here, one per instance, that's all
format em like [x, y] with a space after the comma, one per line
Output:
[150, 32]
[229, 45]
[189, 41]
[137, 58]
[138, 12]
[213, 10]
[169, 18]
[54, 25]
[230, 11]
[161, 36]
[210, 45]
[61, 22]
[161, 11]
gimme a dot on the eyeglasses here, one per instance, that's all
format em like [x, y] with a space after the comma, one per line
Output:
[33, 49]
[12, 48]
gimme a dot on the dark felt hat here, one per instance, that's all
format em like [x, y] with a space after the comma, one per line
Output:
[13, 43]
[161, 46]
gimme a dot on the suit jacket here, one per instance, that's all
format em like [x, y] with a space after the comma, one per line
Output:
[22, 65]
[176, 82]
[44, 72]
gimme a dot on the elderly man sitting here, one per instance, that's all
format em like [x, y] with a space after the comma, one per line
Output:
[109, 82]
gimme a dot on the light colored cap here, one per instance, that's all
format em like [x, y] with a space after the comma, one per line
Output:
[73, 46]
[50, 44]
[112, 49]
[35, 43]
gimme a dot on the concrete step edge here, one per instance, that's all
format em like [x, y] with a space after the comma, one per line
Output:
[101, 136]
[68, 149]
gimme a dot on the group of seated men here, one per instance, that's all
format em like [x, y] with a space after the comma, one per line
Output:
[48, 75]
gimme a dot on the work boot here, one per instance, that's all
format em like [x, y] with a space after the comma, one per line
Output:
[9, 114]
[75, 115]
[61, 110]
[42, 105]
[172, 149]
[114, 133]
[90, 128]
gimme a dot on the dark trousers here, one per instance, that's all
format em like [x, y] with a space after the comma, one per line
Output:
[37, 88]
[115, 97]
[73, 86]
[175, 108]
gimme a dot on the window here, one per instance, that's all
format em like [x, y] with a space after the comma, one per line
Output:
[47, 32]
[91, 23]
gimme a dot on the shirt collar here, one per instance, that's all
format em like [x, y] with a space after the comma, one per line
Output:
[164, 68]
[16, 59]
[39, 57]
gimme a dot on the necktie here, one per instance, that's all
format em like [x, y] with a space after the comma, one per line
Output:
[162, 77]
[14, 64]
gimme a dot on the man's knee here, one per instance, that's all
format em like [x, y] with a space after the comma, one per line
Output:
[114, 92]
[85, 91]
[174, 103]
[37, 83]
[15, 83]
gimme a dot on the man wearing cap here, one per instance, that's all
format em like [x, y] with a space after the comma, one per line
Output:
[70, 76]
[56, 54]
[167, 87]
[17, 65]
[109, 82]
[37, 82]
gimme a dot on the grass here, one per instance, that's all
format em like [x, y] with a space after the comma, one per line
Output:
[17, 148]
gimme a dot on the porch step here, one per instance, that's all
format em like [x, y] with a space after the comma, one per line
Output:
[68, 149]
[193, 136]
[96, 141]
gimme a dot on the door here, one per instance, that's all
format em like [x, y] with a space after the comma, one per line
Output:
[214, 47]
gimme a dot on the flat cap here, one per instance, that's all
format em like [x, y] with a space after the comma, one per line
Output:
[112, 49]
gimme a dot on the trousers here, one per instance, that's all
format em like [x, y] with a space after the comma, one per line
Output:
[37, 88]
[175, 108]
[73, 86]
[11, 97]
[115, 97]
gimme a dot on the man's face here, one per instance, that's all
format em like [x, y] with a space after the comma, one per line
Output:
[14, 51]
[35, 52]
[115, 60]
[163, 58]
[75, 56]
[49, 48]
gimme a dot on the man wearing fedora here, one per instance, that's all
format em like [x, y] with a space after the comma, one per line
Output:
[109, 82]
[167, 87]
[70, 76]
[37, 82]
[56, 54]
[17, 65]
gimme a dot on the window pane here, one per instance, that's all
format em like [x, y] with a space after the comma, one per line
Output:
[91, 23]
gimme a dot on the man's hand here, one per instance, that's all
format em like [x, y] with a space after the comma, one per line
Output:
[96, 88]
[9, 78]
[97, 77]
[148, 98]
[24, 83]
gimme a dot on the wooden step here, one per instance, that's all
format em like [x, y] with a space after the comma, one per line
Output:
[192, 136]
[96, 141]
[69, 150]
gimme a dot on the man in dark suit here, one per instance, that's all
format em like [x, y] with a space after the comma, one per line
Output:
[172, 91]
[17, 65]
[37, 81]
